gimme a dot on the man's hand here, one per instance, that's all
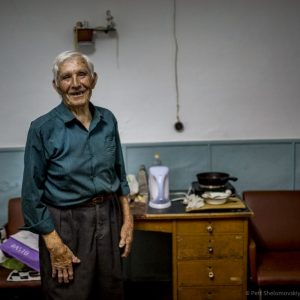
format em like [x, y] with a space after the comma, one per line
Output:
[126, 237]
[62, 258]
[127, 227]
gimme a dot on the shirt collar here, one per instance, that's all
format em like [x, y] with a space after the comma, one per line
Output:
[64, 113]
[67, 115]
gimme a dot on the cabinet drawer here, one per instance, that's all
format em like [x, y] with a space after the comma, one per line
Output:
[211, 293]
[210, 272]
[203, 247]
[210, 226]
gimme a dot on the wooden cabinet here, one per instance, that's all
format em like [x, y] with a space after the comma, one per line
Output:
[209, 258]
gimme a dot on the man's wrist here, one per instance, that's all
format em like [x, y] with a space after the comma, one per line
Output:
[52, 240]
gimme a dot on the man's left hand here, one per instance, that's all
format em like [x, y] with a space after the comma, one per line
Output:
[126, 236]
[127, 227]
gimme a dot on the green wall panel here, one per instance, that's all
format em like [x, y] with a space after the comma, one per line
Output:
[184, 160]
[258, 166]
[297, 165]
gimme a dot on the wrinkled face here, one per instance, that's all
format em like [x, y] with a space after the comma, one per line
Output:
[75, 82]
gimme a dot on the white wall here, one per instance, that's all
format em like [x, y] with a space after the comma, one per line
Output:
[238, 66]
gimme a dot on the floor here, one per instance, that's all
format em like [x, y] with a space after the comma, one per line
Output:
[149, 291]
[8, 294]
[163, 291]
[145, 291]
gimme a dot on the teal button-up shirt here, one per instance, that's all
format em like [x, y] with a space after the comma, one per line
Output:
[66, 164]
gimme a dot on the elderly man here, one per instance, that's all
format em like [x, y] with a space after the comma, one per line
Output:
[74, 192]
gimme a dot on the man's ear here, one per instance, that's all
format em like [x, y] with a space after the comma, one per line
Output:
[95, 78]
[55, 86]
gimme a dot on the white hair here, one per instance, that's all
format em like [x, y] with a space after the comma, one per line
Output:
[66, 55]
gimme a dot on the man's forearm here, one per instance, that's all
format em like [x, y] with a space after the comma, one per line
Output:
[127, 215]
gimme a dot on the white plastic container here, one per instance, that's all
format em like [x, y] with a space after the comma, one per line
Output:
[159, 187]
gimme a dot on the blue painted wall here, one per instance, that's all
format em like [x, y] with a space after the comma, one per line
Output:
[257, 164]
[11, 174]
[268, 164]
[264, 164]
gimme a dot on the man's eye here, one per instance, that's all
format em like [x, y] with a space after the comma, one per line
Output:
[82, 74]
[66, 77]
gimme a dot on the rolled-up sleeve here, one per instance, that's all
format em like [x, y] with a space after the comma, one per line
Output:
[36, 214]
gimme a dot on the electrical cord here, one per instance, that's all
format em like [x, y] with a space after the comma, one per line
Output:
[178, 125]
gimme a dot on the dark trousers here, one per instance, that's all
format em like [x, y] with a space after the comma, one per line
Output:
[92, 233]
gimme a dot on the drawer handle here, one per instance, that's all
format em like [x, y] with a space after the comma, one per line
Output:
[211, 275]
[209, 228]
[210, 250]
[209, 296]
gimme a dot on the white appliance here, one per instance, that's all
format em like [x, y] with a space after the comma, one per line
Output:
[159, 187]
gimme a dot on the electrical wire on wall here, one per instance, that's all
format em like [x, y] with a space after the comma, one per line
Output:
[178, 125]
[110, 21]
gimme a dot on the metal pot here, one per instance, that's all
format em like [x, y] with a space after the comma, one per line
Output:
[214, 179]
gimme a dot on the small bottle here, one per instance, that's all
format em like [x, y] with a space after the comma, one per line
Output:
[142, 180]
[157, 161]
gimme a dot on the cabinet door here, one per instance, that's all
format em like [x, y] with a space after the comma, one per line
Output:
[210, 272]
[211, 293]
[204, 247]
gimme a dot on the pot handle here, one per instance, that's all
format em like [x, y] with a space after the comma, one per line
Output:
[232, 178]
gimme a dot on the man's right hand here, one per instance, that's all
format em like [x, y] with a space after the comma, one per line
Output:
[62, 258]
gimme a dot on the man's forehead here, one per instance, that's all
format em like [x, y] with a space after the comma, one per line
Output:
[73, 63]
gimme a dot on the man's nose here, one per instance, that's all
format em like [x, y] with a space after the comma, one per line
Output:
[75, 81]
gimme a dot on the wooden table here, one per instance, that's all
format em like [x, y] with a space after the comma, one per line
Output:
[209, 250]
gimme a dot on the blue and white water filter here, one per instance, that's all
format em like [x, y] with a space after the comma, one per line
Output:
[159, 186]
